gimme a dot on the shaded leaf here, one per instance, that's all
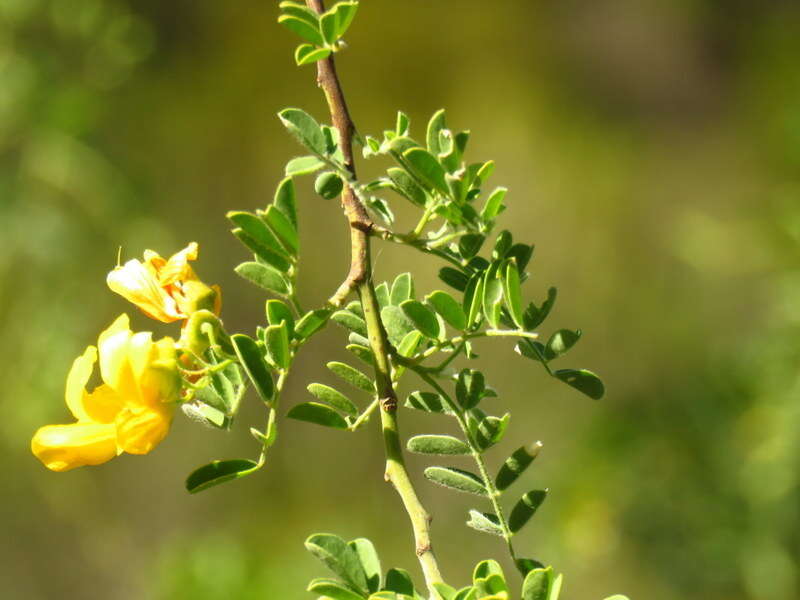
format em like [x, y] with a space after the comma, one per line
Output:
[582, 380]
[485, 522]
[303, 165]
[286, 200]
[219, 471]
[340, 558]
[427, 402]
[525, 509]
[303, 28]
[427, 169]
[304, 127]
[516, 464]
[422, 317]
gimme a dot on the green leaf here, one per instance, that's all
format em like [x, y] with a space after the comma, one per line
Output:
[345, 13]
[494, 204]
[363, 353]
[339, 558]
[251, 358]
[492, 298]
[219, 471]
[427, 169]
[402, 289]
[513, 293]
[303, 28]
[282, 227]
[470, 244]
[299, 10]
[305, 129]
[396, 323]
[473, 299]
[502, 244]
[537, 584]
[525, 509]
[382, 292]
[406, 186]
[379, 206]
[449, 309]
[311, 322]
[526, 565]
[454, 278]
[274, 258]
[535, 316]
[582, 380]
[522, 253]
[409, 344]
[470, 388]
[445, 591]
[331, 588]
[485, 522]
[276, 338]
[484, 172]
[351, 321]
[435, 127]
[257, 229]
[352, 376]
[616, 597]
[486, 569]
[555, 588]
[456, 479]
[333, 397]
[533, 350]
[516, 464]
[264, 276]
[306, 54]
[328, 185]
[277, 313]
[437, 444]
[427, 402]
[422, 317]
[303, 165]
[320, 414]
[286, 200]
[328, 25]
[561, 341]
[489, 430]
[399, 581]
[370, 562]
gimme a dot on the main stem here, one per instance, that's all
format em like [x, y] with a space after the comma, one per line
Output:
[359, 279]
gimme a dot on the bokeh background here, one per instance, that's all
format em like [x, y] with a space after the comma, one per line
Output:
[652, 150]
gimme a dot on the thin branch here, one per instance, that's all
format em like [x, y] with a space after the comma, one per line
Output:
[360, 278]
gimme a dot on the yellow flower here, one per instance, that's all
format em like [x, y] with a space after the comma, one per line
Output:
[165, 290]
[131, 411]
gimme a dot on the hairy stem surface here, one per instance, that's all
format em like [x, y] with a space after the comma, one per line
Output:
[359, 278]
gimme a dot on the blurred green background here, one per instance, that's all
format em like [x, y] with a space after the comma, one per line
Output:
[652, 150]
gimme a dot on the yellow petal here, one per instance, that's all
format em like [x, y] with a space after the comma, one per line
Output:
[77, 379]
[177, 267]
[103, 404]
[138, 284]
[141, 352]
[115, 368]
[140, 430]
[64, 447]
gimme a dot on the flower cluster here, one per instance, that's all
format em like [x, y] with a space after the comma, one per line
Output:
[131, 411]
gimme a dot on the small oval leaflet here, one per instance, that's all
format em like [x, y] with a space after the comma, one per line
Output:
[423, 318]
[437, 444]
[320, 414]
[352, 376]
[449, 309]
[456, 479]
[219, 471]
[328, 185]
[582, 380]
[525, 509]
[264, 277]
[252, 359]
[333, 397]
